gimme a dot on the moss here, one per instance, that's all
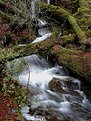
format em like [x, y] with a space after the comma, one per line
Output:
[83, 14]
[71, 46]
[88, 33]
[13, 90]
[77, 64]
[59, 13]
[66, 39]
[7, 53]
[56, 85]
[83, 20]
[15, 93]
[80, 34]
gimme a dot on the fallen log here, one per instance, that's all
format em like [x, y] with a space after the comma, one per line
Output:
[67, 39]
[79, 62]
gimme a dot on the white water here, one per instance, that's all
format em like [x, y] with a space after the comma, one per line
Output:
[71, 104]
[42, 38]
[48, 1]
[33, 8]
[42, 23]
[43, 32]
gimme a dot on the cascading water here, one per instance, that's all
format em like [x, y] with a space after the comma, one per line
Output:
[33, 8]
[43, 30]
[48, 1]
[65, 100]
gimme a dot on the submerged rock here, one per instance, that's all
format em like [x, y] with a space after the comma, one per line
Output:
[55, 85]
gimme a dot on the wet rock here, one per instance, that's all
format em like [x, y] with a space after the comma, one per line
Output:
[56, 85]
[64, 86]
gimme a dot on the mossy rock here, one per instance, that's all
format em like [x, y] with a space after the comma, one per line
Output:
[55, 85]
[65, 86]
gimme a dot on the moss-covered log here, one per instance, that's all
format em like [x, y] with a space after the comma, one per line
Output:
[77, 61]
[67, 39]
[83, 16]
[59, 14]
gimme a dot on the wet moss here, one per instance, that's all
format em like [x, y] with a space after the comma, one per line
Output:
[67, 39]
[77, 64]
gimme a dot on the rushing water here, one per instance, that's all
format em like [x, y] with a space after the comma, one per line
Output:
[43, 30]
[48, 1]
[36, 74]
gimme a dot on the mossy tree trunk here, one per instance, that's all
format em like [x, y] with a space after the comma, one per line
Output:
[77, 61]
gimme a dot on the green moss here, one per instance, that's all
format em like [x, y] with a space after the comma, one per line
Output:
[13, 90]
[55, 85]
[77, 63]
[66, 39]
[80, 34]
[88, 33]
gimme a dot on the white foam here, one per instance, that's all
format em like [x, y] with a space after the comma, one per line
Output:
[42, 38]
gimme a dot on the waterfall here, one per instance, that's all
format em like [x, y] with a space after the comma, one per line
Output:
[69, 103]
[33, 8]
[48, 1]
[41, 23]
[43, 30]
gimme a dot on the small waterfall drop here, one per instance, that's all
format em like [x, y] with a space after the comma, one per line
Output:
[65, 100]
[33, 8]
[48, 1]
[43, 30]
